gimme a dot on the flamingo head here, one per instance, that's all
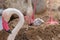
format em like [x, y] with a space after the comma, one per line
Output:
[5, 19]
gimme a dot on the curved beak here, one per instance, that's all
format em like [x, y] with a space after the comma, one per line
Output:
[5, 25]
[9, 31]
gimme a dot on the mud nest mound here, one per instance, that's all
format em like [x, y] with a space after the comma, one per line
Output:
[38, 33]
[49, 33]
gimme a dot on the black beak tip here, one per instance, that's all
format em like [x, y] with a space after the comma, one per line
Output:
[31, 24]
[9, 31]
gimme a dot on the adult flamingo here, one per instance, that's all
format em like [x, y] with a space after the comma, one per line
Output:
[6, 16]
[30, 14]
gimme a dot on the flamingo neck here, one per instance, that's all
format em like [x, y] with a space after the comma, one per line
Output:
[29, 3]
[29, 9]
[18, 26]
